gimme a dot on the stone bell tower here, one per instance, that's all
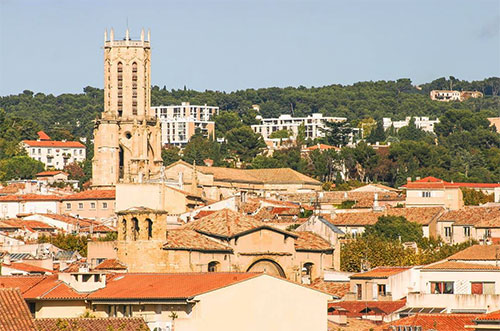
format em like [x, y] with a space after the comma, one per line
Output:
[127, 135]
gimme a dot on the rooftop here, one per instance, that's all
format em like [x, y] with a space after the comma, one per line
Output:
[308, 241]
[111, 264]
[191, 240]
[14, 312]
[53, 143]
[336, 289]
[356, 308]
[381, 272]
[50, 173]
[437, 322]
[472, 215]
[92, 195]
[29, 197]
[422, 216]
[95, 324]
[460, 266]
[478, 252]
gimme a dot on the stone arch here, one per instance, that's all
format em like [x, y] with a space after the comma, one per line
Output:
[267, 266]
[214, 266]
[149, 225]
[135, 228]
[307, 272]
[124, 229]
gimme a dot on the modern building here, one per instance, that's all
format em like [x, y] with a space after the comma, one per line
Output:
[180, 122]
[313, 124]
[54, 154]
[127, 135]
[423, 123]
[450, 95]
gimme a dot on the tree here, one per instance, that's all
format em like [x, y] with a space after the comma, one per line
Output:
[170, 155]
[225, 122]
[337, 133]
[280, 134]
[394, 228]
[475, 198]
[20, 167]
[411, 132]
[244, 143]
[377, 134]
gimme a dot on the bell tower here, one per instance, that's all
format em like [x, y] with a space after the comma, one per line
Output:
[127, 135]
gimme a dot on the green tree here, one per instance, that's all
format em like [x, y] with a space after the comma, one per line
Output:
[244, 143]
[377, 134]
[225, 122]
[395, 227]
[280, 134]
[22, 167]
[170, 155]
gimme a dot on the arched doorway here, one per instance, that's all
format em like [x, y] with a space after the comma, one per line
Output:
[267, 266]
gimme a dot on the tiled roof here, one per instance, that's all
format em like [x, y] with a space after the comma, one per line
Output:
[94, 324]
[433, 182]
[166, 286]
[27, 267]
[23, 283]
[353, 324]
[111, 264]
[454, 265]
[423, 216]
[70, 219]
[437, 322]
[191, 240]
[362, 199]
[52, 288]
[493, 316]
[14, 312]
[479, 185]
[50, 173]
[203, 213]
[30, 197]
[337, 289]
[30, 225]
[226, 223]
[477, 216]
[92, 195]
[354, 308]
[308, 241]
[321, 146]
[12, 188]
[374, 185]
[259, 176]
[43, 136]
[53, 143]
[380, 272]
[478, 252]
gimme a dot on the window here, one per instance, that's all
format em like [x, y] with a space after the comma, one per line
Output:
[487, 233]
[135, 228]
[134, 88]
[92, 205]
[104, 205]
[426, 194]
[80, 205]
[381, 289]
[442, 287]
[467, 231]
[150, 228]
[447, 231]
[213, 266]
[68, 206]
[482, 287]
[124, 229]
[33, 151]
[39, 151]
[359, 291]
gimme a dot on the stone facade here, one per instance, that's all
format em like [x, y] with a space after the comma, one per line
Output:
[127, 136]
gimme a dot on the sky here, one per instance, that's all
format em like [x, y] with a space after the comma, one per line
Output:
[55, 46]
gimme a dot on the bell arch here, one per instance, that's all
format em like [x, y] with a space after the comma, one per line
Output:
[267, 266]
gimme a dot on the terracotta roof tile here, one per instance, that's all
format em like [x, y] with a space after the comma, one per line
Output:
[478, 252]
[30, 197]
[477, 216]
[380, 272]
[111, 264]
[166, 286]
[54, 143]
[203, 213]
[454, 265]
[353, 324]
[50, 173]
[423, 216]
[52, 288]
[337, 289]
[354, 308]
[23, 283]
[95, 324]
[92, 195]
[493, 316]
[308, 241]
[362, 199]
[192, 240]
[437, 322]
[12, 188]
[14, 312]
[27, 267]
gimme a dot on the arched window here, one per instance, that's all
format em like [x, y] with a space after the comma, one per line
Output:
[124, 229]
[150, 228]
[307, 272]
[213, 266]
[135, 228]
[120, 88]
[134, 88]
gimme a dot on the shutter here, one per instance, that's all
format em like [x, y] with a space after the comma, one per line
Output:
[489, 288]
[477, 288]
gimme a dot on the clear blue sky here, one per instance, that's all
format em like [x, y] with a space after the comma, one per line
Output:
[55, 46]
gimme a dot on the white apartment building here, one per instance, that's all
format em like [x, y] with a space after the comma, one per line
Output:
[52, 153]
[423, 123]
[313, 125]
[179, 122]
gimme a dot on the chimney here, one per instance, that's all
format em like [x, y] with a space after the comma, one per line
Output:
[6, 259]
[408, 179]
[418, 178]
[181, 180]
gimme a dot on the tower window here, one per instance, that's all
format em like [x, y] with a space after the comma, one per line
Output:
[134, 88]
[120, 95]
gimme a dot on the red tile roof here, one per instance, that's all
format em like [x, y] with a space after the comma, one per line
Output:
[488, 217]
[203, 213]
[53, 143]
[83, 222]
[308, 241]
[92, 195]
[454, 265]
[422, 216]
[23, 283]
[27, 268]
[29, 197]
[52, 288]
[185, 239]
[430, 182]
[478, 252]
[354, 308]
[14, 312]
[43, 136]
[111, 264]
[380, 272]
[337, 289]
[437, 322]
[50, 173]
[493, 316]
[166, 286]
[12, 188]
[94, 324]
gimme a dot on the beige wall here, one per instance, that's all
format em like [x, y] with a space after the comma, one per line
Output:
[60, 308]
[450, 198]
[98, 209]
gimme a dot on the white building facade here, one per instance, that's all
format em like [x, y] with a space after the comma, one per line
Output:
[314, 125]
[180, 122]
[55, 154]
[423, 123]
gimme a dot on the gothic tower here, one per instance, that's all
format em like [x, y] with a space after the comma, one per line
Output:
[127, 135]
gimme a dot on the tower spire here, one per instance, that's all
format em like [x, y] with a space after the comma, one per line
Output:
[127, 35]
[105, 35]
[142, 34]
[112, 35]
